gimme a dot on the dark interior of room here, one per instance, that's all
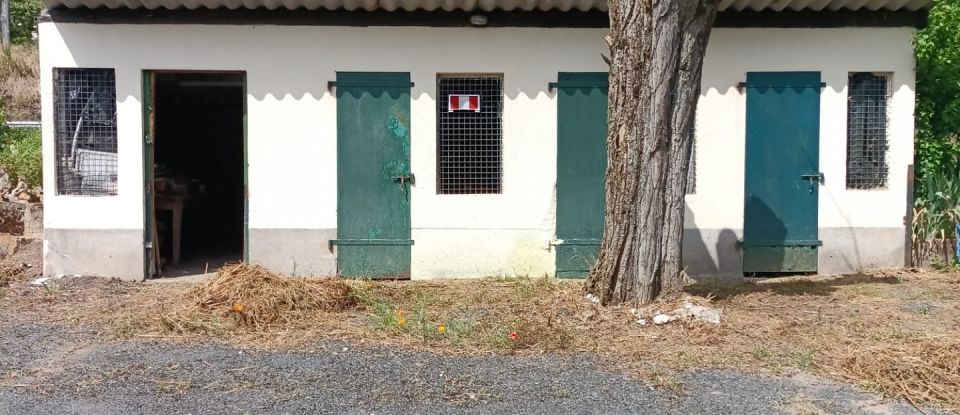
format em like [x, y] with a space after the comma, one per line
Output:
[198, 163]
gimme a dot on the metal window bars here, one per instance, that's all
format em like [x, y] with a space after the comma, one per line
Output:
[867, 119]
[470, 144]
[85, 130]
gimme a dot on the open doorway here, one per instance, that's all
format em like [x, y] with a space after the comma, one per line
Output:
[198, 202]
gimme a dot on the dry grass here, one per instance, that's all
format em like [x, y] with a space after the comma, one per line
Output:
[924, 371]
[259, 299]
[897, 332]
[20, 82]
[11, 272]
[804, 405]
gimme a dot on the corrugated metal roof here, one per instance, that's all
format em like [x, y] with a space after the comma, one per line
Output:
[479, 5]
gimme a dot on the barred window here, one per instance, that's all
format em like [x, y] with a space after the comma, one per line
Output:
[469, 139]
[85, 127]
[869, 94]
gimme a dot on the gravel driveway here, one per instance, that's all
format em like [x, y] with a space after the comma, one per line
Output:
[47, 368]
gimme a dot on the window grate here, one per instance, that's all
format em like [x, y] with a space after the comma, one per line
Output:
[85, 130]
[867, 145]
[470, 144]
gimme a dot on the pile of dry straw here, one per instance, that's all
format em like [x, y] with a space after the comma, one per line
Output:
[259, 299]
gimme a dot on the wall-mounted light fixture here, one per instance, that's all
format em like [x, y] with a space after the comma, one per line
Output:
[478, 20]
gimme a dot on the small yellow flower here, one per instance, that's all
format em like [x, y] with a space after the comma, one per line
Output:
[369, 285]
[238, 308]
[401, 322]
[441, 329]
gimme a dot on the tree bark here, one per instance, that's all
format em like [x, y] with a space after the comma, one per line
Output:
[5, 23]
[656, 61]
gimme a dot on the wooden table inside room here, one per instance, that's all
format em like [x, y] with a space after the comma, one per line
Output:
[173, 203]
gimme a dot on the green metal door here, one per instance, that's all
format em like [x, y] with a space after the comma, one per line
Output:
[581, 164]
[373, 174]
[782, 177]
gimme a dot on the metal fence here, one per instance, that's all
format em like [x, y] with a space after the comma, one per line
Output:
[23, 124]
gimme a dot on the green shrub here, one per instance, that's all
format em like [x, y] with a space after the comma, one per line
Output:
[938, 90]
[24, 15]
[21, 156]
[20, 153]
[5, 133]
[937, 157]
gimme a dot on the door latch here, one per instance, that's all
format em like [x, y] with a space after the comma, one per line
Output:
[404, 180]
[814, 180]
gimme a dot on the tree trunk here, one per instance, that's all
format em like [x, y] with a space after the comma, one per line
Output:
[5, 23]
[656, 60]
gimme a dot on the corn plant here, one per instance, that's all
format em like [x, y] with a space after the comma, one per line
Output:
[936, 214]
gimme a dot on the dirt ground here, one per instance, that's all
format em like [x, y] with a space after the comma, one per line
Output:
[893, 333]
[26, 263]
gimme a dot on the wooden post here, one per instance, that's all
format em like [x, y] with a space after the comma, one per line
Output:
[909, 259]
[5, 23]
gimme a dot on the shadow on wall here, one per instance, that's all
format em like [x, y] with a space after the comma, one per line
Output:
[717, 252]
[767, 234]
[710, 252]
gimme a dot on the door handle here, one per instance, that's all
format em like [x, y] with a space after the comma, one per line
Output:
[814, 179]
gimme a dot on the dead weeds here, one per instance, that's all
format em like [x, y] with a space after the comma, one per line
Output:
[257, 299]
[864, 328]
[921, 371]
[20, 82]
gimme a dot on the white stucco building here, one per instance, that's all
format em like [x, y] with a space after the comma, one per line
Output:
[317, 137]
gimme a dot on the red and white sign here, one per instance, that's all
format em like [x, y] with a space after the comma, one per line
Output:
[464, 103]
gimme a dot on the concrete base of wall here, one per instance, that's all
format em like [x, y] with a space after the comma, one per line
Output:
[300, 252]
[453, 253]
[114, 253]
[849, 250]
[714, 252]
[472, 253]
